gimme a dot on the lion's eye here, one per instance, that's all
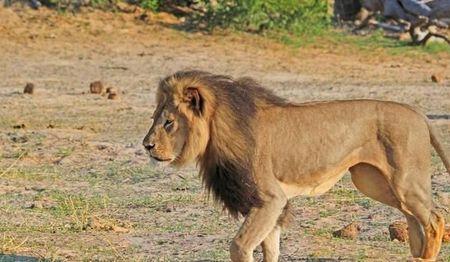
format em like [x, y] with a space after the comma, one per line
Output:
[168, 124]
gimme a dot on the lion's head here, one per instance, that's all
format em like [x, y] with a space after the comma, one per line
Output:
[180, 131]
[208, 119]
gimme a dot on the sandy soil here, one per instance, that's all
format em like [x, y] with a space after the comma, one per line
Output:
[75, 183]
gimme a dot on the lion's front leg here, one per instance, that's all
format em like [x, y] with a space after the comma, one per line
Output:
[256, 227]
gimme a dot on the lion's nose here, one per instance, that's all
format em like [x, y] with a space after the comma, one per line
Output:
[149, 146]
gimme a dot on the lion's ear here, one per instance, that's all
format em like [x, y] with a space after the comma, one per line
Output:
[193, 97]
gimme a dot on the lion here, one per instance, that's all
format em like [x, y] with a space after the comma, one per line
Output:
[255, 151]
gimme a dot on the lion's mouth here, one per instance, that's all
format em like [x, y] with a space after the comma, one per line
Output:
[160, 159]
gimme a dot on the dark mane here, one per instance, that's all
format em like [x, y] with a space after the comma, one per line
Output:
[226, 167]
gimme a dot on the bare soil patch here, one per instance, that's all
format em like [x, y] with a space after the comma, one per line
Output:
[78, 158]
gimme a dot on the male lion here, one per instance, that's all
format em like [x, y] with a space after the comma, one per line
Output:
[256, 150]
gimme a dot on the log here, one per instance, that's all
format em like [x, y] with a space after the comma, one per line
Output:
[415, 7]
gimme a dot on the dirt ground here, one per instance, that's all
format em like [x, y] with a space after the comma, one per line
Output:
[75, 183]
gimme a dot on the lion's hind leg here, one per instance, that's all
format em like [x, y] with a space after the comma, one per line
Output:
[373, 183]
[426, 229]
[412, 198]
[429, 225]
[413, 188]
[434, 232]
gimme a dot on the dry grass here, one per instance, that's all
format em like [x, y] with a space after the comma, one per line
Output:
[79, 157]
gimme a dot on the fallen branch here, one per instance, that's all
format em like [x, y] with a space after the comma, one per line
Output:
[429, 35]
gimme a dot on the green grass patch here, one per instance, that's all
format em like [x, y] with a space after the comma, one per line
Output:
[297, 17]
[373, 43]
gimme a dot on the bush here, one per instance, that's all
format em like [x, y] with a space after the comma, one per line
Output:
[294, 16]
[157, 5]
[153, 5]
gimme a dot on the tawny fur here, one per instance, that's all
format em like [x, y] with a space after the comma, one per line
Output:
[255, 151]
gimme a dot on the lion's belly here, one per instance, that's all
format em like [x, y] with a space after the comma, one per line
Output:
[320, 182]
[314, 189]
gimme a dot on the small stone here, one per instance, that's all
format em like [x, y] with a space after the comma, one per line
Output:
[111, 90]
[96, 87]
[437, 78]
[446, 236]
[21, 126]
[102, 147]
[398, 231]
[350, 231]
[113, 96]
[29, 88]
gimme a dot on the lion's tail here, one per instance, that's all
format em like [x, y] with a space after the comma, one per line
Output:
[439, 148]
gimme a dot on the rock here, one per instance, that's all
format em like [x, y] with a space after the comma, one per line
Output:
[112, 90]
[437, 78]
[102, 147]
[113, 96]
[446, 237]
[35, 4]
[96, 87]
[399, 231]
[113, 93]
[29, 88]
[350, 231]
[21, 126]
